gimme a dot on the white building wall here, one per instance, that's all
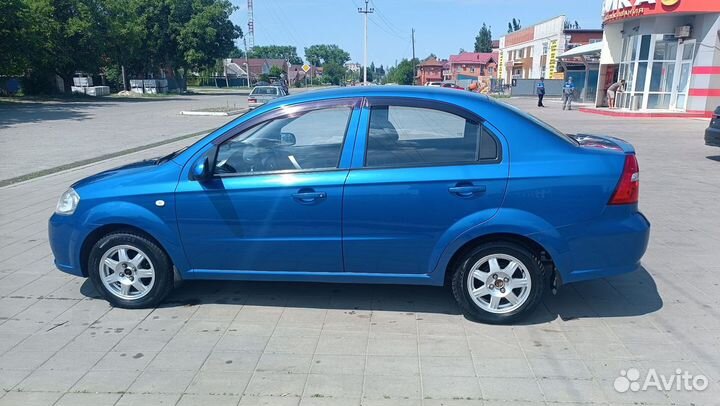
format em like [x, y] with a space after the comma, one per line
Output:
[544, 32]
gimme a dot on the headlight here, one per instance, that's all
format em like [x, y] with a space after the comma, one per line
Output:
[68, 202]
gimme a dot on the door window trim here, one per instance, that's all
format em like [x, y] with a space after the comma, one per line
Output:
[289, 111]
[462, 112]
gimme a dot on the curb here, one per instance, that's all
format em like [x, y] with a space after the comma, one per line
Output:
[212, 113]
[77, 164]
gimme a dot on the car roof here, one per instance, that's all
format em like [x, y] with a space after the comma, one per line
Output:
[420, 92]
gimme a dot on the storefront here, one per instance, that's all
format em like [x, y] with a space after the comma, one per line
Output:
[667, 51]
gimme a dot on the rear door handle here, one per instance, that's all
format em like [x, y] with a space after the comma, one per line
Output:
[467, 190]
[308, 196]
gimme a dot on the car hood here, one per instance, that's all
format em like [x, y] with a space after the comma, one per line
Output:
[133, 168]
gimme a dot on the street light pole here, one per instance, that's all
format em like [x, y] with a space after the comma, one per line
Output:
[365, 11]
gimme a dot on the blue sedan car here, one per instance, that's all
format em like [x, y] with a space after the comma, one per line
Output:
[393, 185]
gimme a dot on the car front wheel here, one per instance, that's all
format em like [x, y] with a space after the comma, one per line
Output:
[498, 282]
[130, 271]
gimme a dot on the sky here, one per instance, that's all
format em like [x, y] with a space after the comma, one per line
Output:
[442, 27]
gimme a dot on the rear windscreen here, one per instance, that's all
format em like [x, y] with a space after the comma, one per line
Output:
[264, 90]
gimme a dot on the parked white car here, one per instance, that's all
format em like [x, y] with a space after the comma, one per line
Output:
[263, 94]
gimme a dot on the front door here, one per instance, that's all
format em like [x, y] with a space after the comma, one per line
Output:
[423, 170]
[274, 203]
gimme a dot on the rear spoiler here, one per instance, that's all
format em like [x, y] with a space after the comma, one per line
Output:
[603, 142]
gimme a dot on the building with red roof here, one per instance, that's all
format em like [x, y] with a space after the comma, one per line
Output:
[468, 67]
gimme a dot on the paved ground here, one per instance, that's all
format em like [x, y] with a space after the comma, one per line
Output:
[313, 344]
[41, 135]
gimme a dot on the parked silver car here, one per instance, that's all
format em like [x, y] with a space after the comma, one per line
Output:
[263, 94]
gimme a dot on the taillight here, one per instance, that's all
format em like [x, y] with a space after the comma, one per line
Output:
[628, 188]
[252, 100]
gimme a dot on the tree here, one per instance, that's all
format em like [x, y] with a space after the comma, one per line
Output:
[514, 25]
[71, 36]
[276, 71]
[14, 30]
[236, 53]
[321, 54]
[572, 25]
[403, 73]
[483, 41]
[208, 34]
[287, 52]
[333, 73]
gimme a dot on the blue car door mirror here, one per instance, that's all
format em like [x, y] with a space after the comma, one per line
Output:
[203, 169]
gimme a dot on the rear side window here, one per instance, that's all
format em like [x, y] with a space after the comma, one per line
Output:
[419, 136]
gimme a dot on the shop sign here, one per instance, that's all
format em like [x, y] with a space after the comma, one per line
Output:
[553, 58]
[501, 67]
[614, 10]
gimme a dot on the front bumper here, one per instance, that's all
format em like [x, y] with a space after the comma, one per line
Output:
[65, 242]
[712, 137]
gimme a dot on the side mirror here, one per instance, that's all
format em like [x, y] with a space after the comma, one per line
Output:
[287, 139]
[201, 169]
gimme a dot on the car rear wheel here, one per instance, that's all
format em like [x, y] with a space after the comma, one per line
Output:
[130, 271]
[498, 282]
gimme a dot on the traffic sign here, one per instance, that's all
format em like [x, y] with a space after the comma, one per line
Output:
[306, 68]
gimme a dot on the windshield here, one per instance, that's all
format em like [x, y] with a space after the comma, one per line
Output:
[264, 90]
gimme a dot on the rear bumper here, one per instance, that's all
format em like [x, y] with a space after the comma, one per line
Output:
[611, 245]
[712, 137]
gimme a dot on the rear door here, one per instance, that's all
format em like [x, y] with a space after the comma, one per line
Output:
[420, 168]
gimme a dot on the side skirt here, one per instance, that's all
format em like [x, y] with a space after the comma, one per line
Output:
[329, 277]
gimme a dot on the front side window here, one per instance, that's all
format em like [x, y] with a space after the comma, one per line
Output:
[310, 140]
[416, 136]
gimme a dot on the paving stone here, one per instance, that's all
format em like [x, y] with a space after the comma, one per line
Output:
[219, 383]
[45, 380]
[276, 384]
[338, 364]
[392, 365]
[30, 398]
[105, 381]
[205, 400]
[88, 399]
[134, 399]
[162, 381]
[335, 386]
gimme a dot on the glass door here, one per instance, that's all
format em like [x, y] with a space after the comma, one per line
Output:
[682, 76]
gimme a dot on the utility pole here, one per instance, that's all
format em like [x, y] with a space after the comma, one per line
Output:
[413, 60]
[365, 11]
[247, 63]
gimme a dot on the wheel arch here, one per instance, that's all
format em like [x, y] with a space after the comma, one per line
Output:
[524, 241]
[95, 235]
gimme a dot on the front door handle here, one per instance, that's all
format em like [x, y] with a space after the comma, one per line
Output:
[467, 190]
[308, 196]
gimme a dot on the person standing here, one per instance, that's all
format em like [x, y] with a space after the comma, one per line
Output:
[617, 87]
[568, 93]
[540, 90]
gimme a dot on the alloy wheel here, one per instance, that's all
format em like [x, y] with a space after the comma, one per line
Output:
[127, 272]
[499, 283]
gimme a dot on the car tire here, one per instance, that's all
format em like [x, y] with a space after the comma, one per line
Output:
[507, 281]
[130, 271]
